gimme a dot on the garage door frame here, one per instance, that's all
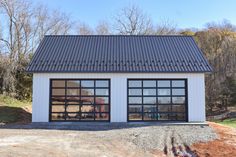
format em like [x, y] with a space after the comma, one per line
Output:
[85, 79]
[157, 79]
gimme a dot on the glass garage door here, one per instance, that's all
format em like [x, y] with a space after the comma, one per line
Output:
[157, 100]
[80, 100]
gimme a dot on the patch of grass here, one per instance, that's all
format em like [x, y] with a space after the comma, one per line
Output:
[12, 102]
[229, 122]
[11, 110]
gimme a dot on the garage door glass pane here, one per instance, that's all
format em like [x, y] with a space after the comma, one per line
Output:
[149, 108]
[73, 83]
[102, 83]
[72, 116]
[58, 92]
[135, 83]
[164, 100]
[135, 116]
[87, 108]
[74, 99]
[149, 100]
[135, 100]
[102, 92]
[102, 108]
[58, 83]
[135, 91]
[87, 116]
[163, 91]
[102, 100]
[58, 100]
[178, 108]
[101, 116]
[150, 116]
[178, 91]
[87, 92]
[58, 108]
[87, 83]
[74, 92]
[157, 100]
[80, 100]
[149, 92]
[164, 108]
[149, 83]
[178, 83]
[135, 108]
[163, 83]
[73, 108]
[87, 100]
[178, 100]
[58, 116]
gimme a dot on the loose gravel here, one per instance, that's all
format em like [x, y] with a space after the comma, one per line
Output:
[173, 140]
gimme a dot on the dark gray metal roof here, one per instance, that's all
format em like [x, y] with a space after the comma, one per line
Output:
[118, 53]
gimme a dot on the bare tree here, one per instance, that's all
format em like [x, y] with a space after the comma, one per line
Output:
[17, 13]
[103, 29]
[133, 21]
[24, 27]
[84, 29]
[166, 27]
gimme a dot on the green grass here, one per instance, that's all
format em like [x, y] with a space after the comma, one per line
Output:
[229, 122]
[12, 102]
[11, 109]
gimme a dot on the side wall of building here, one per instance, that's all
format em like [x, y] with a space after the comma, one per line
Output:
[196, 92]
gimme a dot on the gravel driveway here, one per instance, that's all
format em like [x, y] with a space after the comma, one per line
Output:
[115, 141]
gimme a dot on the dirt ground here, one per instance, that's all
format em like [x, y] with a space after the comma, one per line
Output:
[225, 146]
[57, 143]
[69, 143]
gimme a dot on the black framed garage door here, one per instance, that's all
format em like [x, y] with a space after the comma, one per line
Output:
[157, 100]
[79, 100]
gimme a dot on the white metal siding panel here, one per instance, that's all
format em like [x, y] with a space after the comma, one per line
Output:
[196, 92]
[40, 107]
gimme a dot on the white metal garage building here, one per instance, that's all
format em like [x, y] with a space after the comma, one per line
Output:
[118, 79]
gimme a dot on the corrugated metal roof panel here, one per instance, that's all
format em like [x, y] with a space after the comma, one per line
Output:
[118, 53]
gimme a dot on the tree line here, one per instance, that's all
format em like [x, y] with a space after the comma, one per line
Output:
[24, 24]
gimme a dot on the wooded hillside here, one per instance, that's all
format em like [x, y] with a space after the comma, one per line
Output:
[24, 24]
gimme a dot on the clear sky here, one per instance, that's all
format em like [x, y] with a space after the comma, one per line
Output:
[185, 13]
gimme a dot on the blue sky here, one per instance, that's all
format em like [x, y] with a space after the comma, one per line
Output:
[185, 13]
